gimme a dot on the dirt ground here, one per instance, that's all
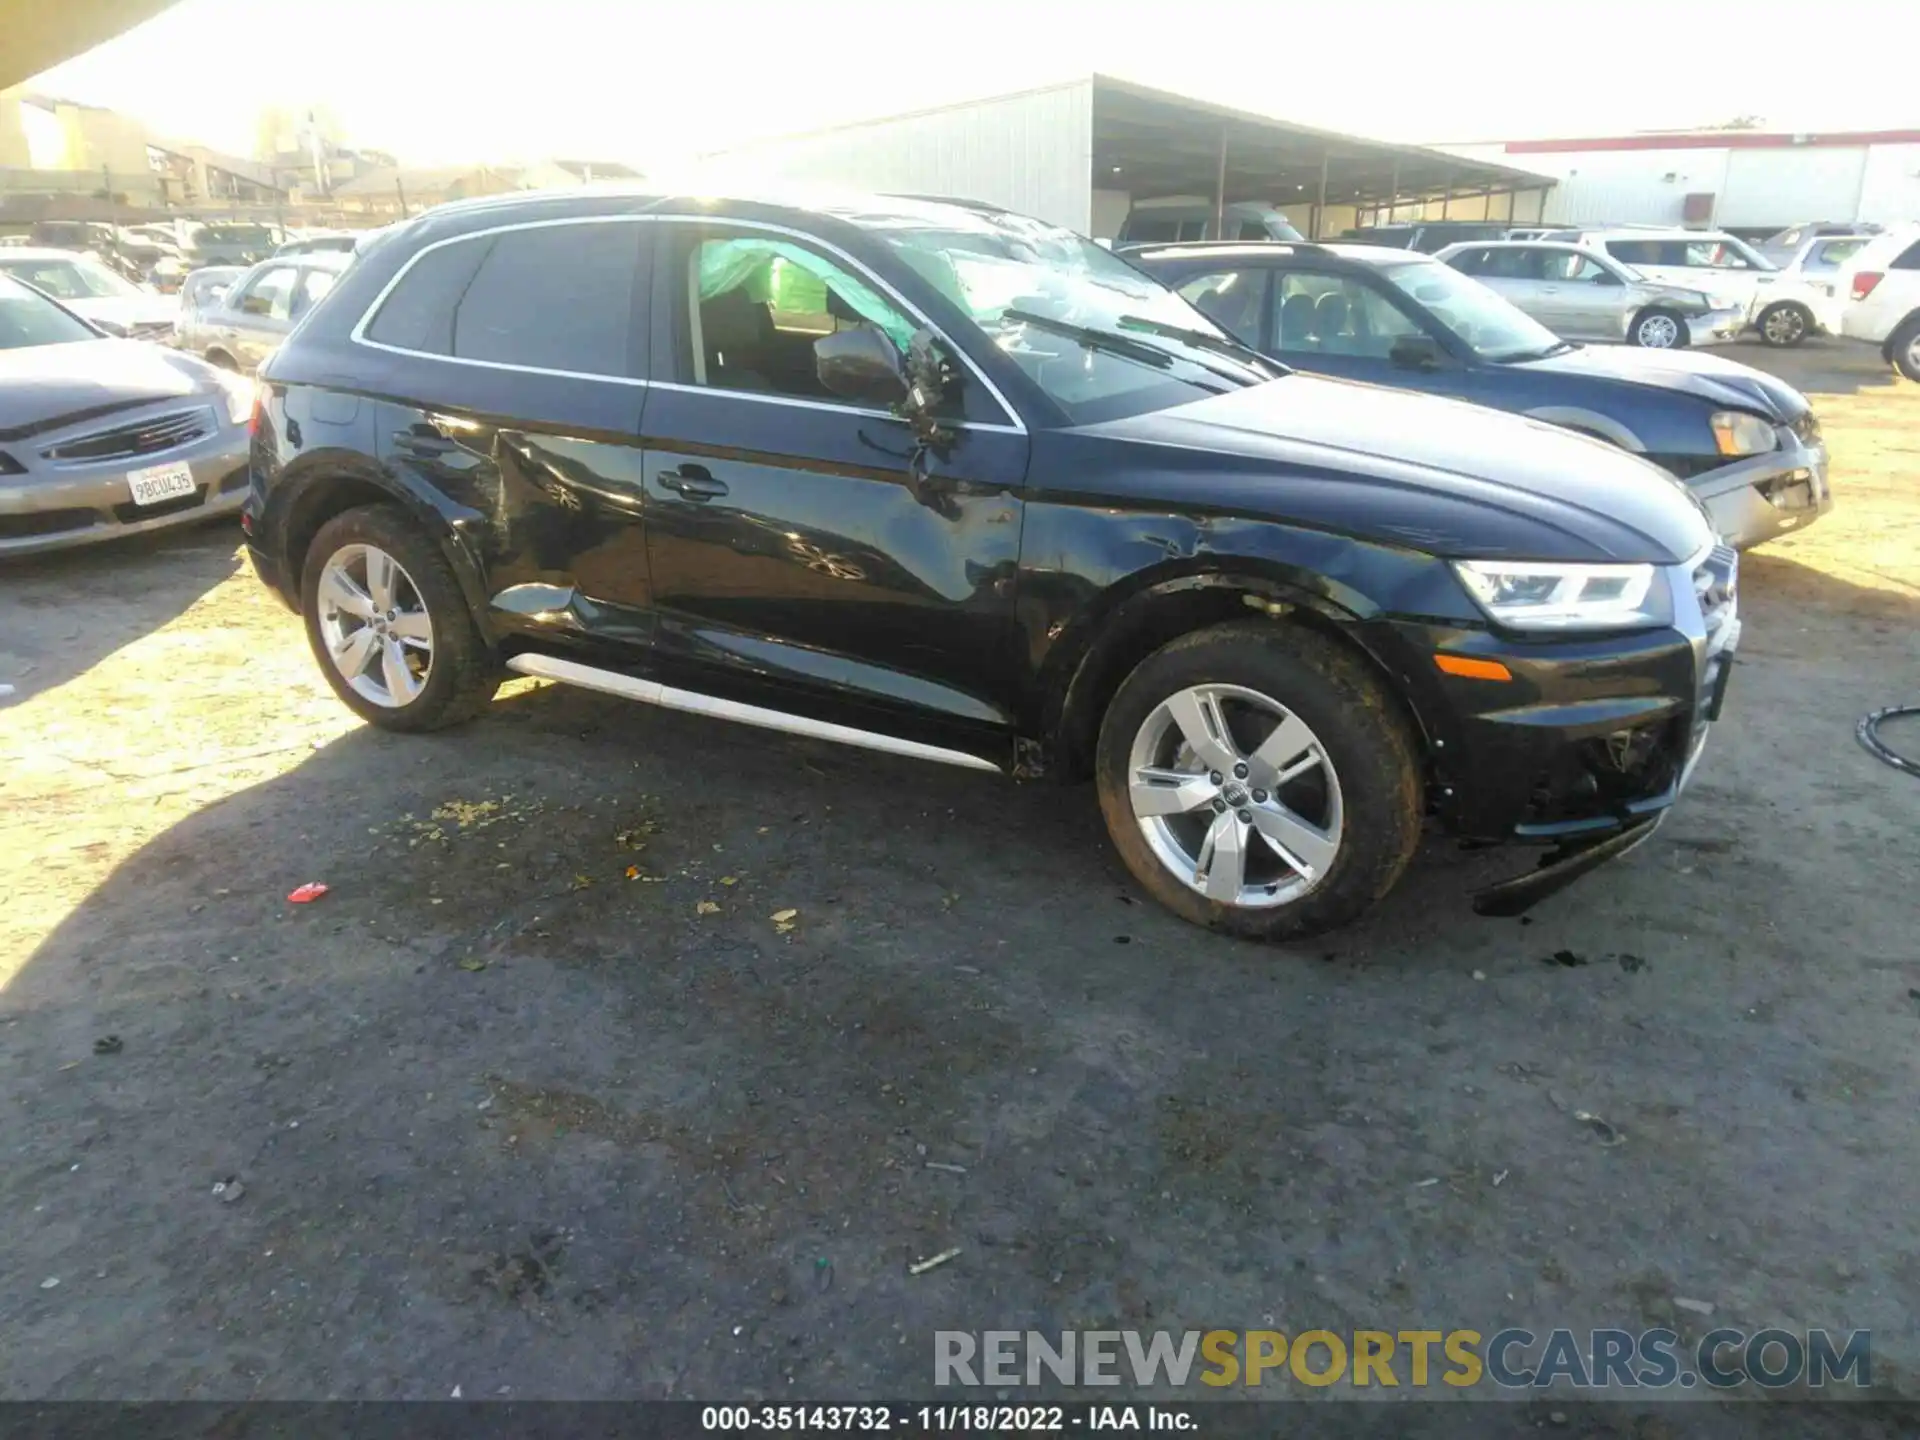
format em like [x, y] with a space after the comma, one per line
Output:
[505, 1119]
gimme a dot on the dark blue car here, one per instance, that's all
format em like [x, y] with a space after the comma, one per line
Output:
[1745, 443]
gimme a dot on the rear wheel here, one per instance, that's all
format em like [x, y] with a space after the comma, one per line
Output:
[1658, 329]
[1259, 780]
[1906, 348]
[389, 625]
[1785, 324]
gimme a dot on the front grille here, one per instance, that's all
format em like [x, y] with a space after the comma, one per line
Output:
[44, 522]
[143, 437]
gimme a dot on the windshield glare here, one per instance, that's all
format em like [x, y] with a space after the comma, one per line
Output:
[988, 264]
[1494, 329]
[29, 319]
[71, 279]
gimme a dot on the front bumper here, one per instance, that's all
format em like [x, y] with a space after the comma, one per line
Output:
[1768, 495]
[1716, 327]
[57, 508]
[1592, 738]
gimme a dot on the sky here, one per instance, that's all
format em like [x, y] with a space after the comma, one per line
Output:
[437, 82]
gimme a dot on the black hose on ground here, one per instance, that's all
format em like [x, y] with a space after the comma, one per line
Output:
[1868, 734]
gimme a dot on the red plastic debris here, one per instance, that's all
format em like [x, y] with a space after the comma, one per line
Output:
[308, 893]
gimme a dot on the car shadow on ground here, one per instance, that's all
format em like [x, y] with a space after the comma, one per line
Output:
[1818, 367]
[62, 613]
[551, 1096]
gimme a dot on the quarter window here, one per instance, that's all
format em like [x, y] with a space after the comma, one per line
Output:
[1232, 299]
[1336, 315]
[1907, 259]
[418, 315]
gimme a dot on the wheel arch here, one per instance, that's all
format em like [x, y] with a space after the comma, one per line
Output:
[332, 483]
[1590, 422]
[1158, 609]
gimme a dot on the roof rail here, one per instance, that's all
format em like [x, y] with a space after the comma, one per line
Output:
[1141, 247]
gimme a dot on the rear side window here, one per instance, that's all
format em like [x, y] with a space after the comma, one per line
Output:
[558, 297]
[418, 315]
[1232, 299]
[1907, 259]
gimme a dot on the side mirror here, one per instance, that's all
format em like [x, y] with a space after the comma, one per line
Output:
[1415, 352]
[861, 364]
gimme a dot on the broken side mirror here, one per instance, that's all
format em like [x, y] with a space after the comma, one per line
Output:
[862, 365]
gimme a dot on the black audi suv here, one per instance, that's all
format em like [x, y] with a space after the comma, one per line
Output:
[952, 483]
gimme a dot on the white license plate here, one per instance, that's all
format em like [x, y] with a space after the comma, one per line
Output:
[160, 482]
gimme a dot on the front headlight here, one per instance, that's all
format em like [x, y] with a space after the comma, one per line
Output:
[1546, 595]
[1736, 432]
[239, 392]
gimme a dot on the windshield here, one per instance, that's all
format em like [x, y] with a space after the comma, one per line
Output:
[27, 319]
[1488, 324]
[1091, 331]
[70, 279]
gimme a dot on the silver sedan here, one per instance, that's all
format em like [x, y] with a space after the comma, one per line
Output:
[1582, 294]
[102, 437]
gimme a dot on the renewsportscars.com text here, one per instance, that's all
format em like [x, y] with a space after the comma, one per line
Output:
[1513, 1358]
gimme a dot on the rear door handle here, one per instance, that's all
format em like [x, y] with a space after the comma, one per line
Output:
[421, 440]
[692, 482]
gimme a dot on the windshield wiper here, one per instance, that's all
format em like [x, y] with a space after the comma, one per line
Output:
[1108, 340]
[1559, 347]
[1201, 340]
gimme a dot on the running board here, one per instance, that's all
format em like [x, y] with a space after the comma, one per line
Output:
[652, 692]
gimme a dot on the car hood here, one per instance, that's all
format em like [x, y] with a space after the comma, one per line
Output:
[45, 386]
[126, 310]
[1438, 475]
[1711, 378]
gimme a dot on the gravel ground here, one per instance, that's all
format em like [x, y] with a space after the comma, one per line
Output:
[503, 1118]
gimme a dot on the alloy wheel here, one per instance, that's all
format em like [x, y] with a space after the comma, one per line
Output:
[375, 625]
[1659, 332]
[1784, 326]
[1913, 354]
[1235, 795]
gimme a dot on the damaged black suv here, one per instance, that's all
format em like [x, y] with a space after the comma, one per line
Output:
[951, 483]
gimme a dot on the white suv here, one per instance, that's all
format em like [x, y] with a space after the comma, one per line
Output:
[1882, 285]
[1722, 266]
[1802, 296]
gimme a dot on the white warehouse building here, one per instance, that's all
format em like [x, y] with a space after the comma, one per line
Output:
[1742, 180]
[1082, 153]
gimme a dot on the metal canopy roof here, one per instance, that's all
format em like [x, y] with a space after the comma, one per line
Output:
[1151, 142]
[42, 33]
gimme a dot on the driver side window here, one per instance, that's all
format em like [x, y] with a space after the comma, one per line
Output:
[756, 302]
[1574, 268]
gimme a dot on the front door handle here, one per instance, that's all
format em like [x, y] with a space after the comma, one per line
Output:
[692, 482]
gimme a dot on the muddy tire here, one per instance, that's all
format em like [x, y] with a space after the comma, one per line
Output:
[1259, 779]
[389, 625]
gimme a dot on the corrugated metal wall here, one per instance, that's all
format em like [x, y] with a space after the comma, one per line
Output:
[1031, 152]
[1645, 187]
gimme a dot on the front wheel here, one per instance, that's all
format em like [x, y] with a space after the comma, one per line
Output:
[1259, 779]
[1657, 329]
[1785, 325]
[389, 625]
